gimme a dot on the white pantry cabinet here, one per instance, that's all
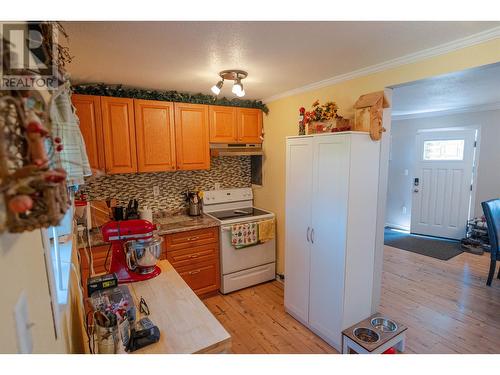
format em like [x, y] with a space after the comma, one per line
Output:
[331, 210]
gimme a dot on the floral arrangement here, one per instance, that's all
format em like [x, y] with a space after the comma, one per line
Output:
[322, 118]
[325, 112]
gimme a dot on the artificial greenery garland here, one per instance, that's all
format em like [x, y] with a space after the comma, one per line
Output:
[119, 91]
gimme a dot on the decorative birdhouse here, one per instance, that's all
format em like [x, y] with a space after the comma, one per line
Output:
[368, 114]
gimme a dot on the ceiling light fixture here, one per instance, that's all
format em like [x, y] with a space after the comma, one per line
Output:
[216, 88]
[231, 75]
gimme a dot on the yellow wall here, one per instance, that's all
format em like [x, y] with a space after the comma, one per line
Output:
[282, 120]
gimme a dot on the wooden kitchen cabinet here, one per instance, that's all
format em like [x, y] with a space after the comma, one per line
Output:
[191, 136]
[249, 125]
[154, 124]
[195, 256]
[99, 253]
[119, 135]
[101, 264]
[235, 125]
[223, 124]
[88, 111]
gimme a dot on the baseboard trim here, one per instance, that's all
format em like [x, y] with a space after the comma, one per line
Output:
[396, 226]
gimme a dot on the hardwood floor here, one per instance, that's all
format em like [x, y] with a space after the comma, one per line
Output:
[445, 304]
[257, 322]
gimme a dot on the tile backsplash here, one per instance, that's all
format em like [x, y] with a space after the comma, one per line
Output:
[229, 171]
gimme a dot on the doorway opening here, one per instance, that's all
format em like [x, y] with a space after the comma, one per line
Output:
[443, 159]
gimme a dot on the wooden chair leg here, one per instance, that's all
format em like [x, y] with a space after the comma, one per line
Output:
[498, 276]
[492, 272]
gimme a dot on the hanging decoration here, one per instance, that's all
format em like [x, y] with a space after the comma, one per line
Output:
[32, 181]
[324, 119]
[101, 89]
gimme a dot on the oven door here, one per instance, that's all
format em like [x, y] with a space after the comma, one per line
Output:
[233, 260]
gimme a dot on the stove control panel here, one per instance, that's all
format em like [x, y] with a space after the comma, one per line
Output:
[227, 195]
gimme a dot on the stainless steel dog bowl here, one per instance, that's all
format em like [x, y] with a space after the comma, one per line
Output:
[384, 324]
[366, 334]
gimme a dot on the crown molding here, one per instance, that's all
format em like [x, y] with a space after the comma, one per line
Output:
[441, 49]
[476, 108]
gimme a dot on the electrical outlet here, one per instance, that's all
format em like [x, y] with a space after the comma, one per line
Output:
[217, 186]
[156, 191]
[23, 325]
[404, 210]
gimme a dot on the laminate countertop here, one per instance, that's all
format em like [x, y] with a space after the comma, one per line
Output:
[186, 325]
[166, 225]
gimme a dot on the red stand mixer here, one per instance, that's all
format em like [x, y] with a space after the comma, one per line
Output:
[136, 249]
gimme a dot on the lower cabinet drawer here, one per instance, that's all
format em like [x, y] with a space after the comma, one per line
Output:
[194, 255]
[185, 240]
[202, 277]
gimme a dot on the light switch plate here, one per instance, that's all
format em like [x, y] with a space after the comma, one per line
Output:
[156, 191]
[217, 186]
[23, 325]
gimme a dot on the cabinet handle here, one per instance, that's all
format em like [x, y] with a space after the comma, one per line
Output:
[312, 235]
[193, 238]
[307, 234]
[194, 272]
[193, 256]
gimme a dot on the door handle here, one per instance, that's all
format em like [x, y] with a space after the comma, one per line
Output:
[307, 234]
[312, 235]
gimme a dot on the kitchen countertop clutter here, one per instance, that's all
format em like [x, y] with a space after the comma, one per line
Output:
[166, 225]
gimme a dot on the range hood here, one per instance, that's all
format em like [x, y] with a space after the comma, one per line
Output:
[234, 149]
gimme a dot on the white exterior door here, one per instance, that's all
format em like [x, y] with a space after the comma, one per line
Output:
[299, 155]
[328, 237]
[442, 182]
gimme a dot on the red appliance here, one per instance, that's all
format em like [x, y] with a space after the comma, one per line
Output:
[119, 233]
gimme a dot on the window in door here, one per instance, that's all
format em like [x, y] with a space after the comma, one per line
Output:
[444, 149]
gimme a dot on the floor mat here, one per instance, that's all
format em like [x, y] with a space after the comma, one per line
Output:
[438, 248]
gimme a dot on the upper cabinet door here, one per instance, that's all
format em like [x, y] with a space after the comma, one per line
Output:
[119, 134]
[191, 136]
[223, 124]
[249, 125]
[154, 125]
[88, 111]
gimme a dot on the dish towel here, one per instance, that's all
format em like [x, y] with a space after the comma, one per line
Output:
[65, 124]
[243, 235]
[266, 230]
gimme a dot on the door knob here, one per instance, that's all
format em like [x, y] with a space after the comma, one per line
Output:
[415, 190]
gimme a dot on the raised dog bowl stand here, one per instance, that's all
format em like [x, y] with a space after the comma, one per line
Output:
[381, 340]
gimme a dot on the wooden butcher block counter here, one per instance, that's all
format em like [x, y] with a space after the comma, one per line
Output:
[186, 325]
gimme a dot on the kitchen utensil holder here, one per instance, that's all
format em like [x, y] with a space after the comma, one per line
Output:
[107, 339]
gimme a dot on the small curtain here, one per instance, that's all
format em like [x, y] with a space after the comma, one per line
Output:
[65, 125]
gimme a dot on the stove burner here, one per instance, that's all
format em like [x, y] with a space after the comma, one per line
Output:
[241, 212]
